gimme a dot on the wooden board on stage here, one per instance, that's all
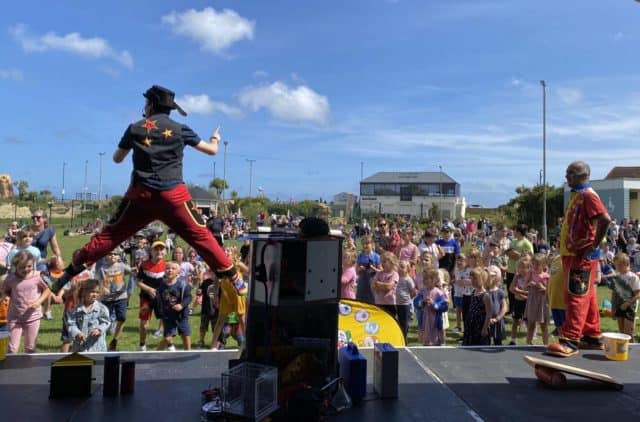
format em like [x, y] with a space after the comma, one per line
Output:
[552, 373]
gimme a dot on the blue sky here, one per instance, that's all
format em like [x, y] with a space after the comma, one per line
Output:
[310, 89]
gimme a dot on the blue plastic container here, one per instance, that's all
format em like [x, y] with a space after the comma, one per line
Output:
[353, 370]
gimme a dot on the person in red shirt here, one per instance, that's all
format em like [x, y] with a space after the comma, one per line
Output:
[149, 277]
[584, 225]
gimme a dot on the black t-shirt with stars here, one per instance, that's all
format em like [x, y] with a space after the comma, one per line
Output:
[158, 143]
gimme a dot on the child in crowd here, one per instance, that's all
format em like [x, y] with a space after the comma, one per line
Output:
[461, 284]
[498, 306]
[187, 272]
[537, 307]
[349, 245]
[625, 294]
[408, 251]
[555, 292]
[69, 296]
[27, 291]
[385, 282]
[150, 275]
[114, 297]
[232, 300]
[368, 264]
[434, 305]
[23, 243]
[427, 262]
[405, 292]
[174, 297]
[518, 288]
[210, 292]
[474, 260]
[88, 322]
[478, 316]
[348, 279]
[444, 284]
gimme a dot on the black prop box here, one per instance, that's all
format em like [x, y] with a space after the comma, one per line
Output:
[292, 309]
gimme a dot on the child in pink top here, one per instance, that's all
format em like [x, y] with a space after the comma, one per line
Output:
[385, 282]
[349, 276]
[537, 307]
[27, 292]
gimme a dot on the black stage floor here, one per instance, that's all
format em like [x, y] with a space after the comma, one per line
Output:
[443, 383]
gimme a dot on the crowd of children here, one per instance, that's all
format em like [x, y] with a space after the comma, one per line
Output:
[504, 274]
[411, 277]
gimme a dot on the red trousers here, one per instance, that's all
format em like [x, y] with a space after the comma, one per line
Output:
[581, 298]
[142, 205]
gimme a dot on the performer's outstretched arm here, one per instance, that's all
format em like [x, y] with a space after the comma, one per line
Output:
[211, 147]
[120, 155]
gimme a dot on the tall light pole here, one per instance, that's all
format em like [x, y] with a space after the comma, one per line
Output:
[100, 177]
[250, 174]
[544, 160]
[361, 170]
[441, 194]
[224, 170]
[85, 188]
[64, 165]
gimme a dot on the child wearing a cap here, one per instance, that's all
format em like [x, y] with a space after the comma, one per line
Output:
[149, 277]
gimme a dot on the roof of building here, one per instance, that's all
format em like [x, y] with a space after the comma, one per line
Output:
[199, 194]
[409, 177]
[624, 173]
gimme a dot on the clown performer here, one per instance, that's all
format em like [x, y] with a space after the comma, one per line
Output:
[584, 225]
[156, 191]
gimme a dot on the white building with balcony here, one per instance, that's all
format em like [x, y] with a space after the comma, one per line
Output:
[412, 193]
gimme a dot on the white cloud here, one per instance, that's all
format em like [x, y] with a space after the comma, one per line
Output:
[293, 104]
[516, 82]
[618, 36]
[569, 96]
[11, 73]
[202, 104]
[215, 31]
[73, 42]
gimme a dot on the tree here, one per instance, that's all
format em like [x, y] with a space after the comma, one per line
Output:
[526, 208]
[23, 185]
[219, 185]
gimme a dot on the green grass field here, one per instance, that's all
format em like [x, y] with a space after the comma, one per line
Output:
[49, 337]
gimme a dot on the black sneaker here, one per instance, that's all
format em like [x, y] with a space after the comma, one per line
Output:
[113, 345]
[55, 284]
[591, 343]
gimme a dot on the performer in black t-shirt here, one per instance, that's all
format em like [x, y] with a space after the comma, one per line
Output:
[157, 191]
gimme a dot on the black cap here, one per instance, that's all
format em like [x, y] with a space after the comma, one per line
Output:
[163, 97]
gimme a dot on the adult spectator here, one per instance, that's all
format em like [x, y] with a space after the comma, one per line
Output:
[451, 249]
[215, 224]
[584, 226]
[382, 237]
[428, 244]
[44, 236]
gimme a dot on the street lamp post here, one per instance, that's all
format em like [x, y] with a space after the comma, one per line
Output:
[64, 165]
[441, 194]
[224, 170]
[250, 174]
[544, 160]
[50, 203]
[100, 177]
